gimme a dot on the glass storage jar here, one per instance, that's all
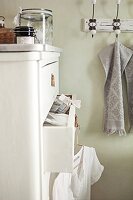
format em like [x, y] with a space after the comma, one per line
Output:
[42, 22]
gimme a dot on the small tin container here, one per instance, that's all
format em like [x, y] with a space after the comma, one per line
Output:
[24, 35]
[2, 22]
[7, 35]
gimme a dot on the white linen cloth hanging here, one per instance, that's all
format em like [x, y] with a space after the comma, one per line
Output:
[115, 59]
[77, 185]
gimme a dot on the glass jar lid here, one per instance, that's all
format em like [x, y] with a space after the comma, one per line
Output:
[36, 11]
[35, 14]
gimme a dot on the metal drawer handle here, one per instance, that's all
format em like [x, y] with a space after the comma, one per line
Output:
[52, 80]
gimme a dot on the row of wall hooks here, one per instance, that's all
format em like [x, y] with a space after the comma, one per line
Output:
[116, 25]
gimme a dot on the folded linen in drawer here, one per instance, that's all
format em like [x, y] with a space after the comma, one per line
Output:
[56, 119]
[58, 145]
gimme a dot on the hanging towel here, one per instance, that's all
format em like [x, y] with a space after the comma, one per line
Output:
[129, 79]
[114, 59]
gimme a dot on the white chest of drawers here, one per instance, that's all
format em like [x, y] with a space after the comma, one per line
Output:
[29, 83]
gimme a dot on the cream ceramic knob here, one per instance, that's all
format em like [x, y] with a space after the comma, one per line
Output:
[93, 32]
[93, 1]
[118, 1]
[117, 31]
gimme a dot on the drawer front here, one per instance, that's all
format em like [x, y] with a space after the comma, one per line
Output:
[49, 57]
[49, 87]
[58, 146]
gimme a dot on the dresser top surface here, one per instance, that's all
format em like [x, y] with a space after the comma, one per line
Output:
[28, 48]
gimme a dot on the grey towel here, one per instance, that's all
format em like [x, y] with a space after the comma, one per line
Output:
[129, 79]
[115, 59]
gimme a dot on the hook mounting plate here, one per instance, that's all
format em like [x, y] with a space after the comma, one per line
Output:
[106, 25]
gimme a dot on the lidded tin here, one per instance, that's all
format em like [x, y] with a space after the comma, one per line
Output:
[2, 22]
[7, 35]
[42, 22]
[24, 35]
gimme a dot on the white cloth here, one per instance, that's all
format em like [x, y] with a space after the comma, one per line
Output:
[77, 185]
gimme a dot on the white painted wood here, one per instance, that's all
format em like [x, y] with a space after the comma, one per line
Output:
[59, 145]
[71, 118]
[22, 80]
[48, 92]
[105, 25]
[49, 64]
[29, 48]
[21, 57]
[48, 58]
[19, 131]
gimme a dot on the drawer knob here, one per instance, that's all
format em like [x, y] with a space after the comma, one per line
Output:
[52, 80]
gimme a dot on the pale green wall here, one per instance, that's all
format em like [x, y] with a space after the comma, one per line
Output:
[81, 73]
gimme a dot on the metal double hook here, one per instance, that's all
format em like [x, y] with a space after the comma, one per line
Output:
[92, 22]
[116, 22]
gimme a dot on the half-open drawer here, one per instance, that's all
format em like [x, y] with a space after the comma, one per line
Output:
[58, 145]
